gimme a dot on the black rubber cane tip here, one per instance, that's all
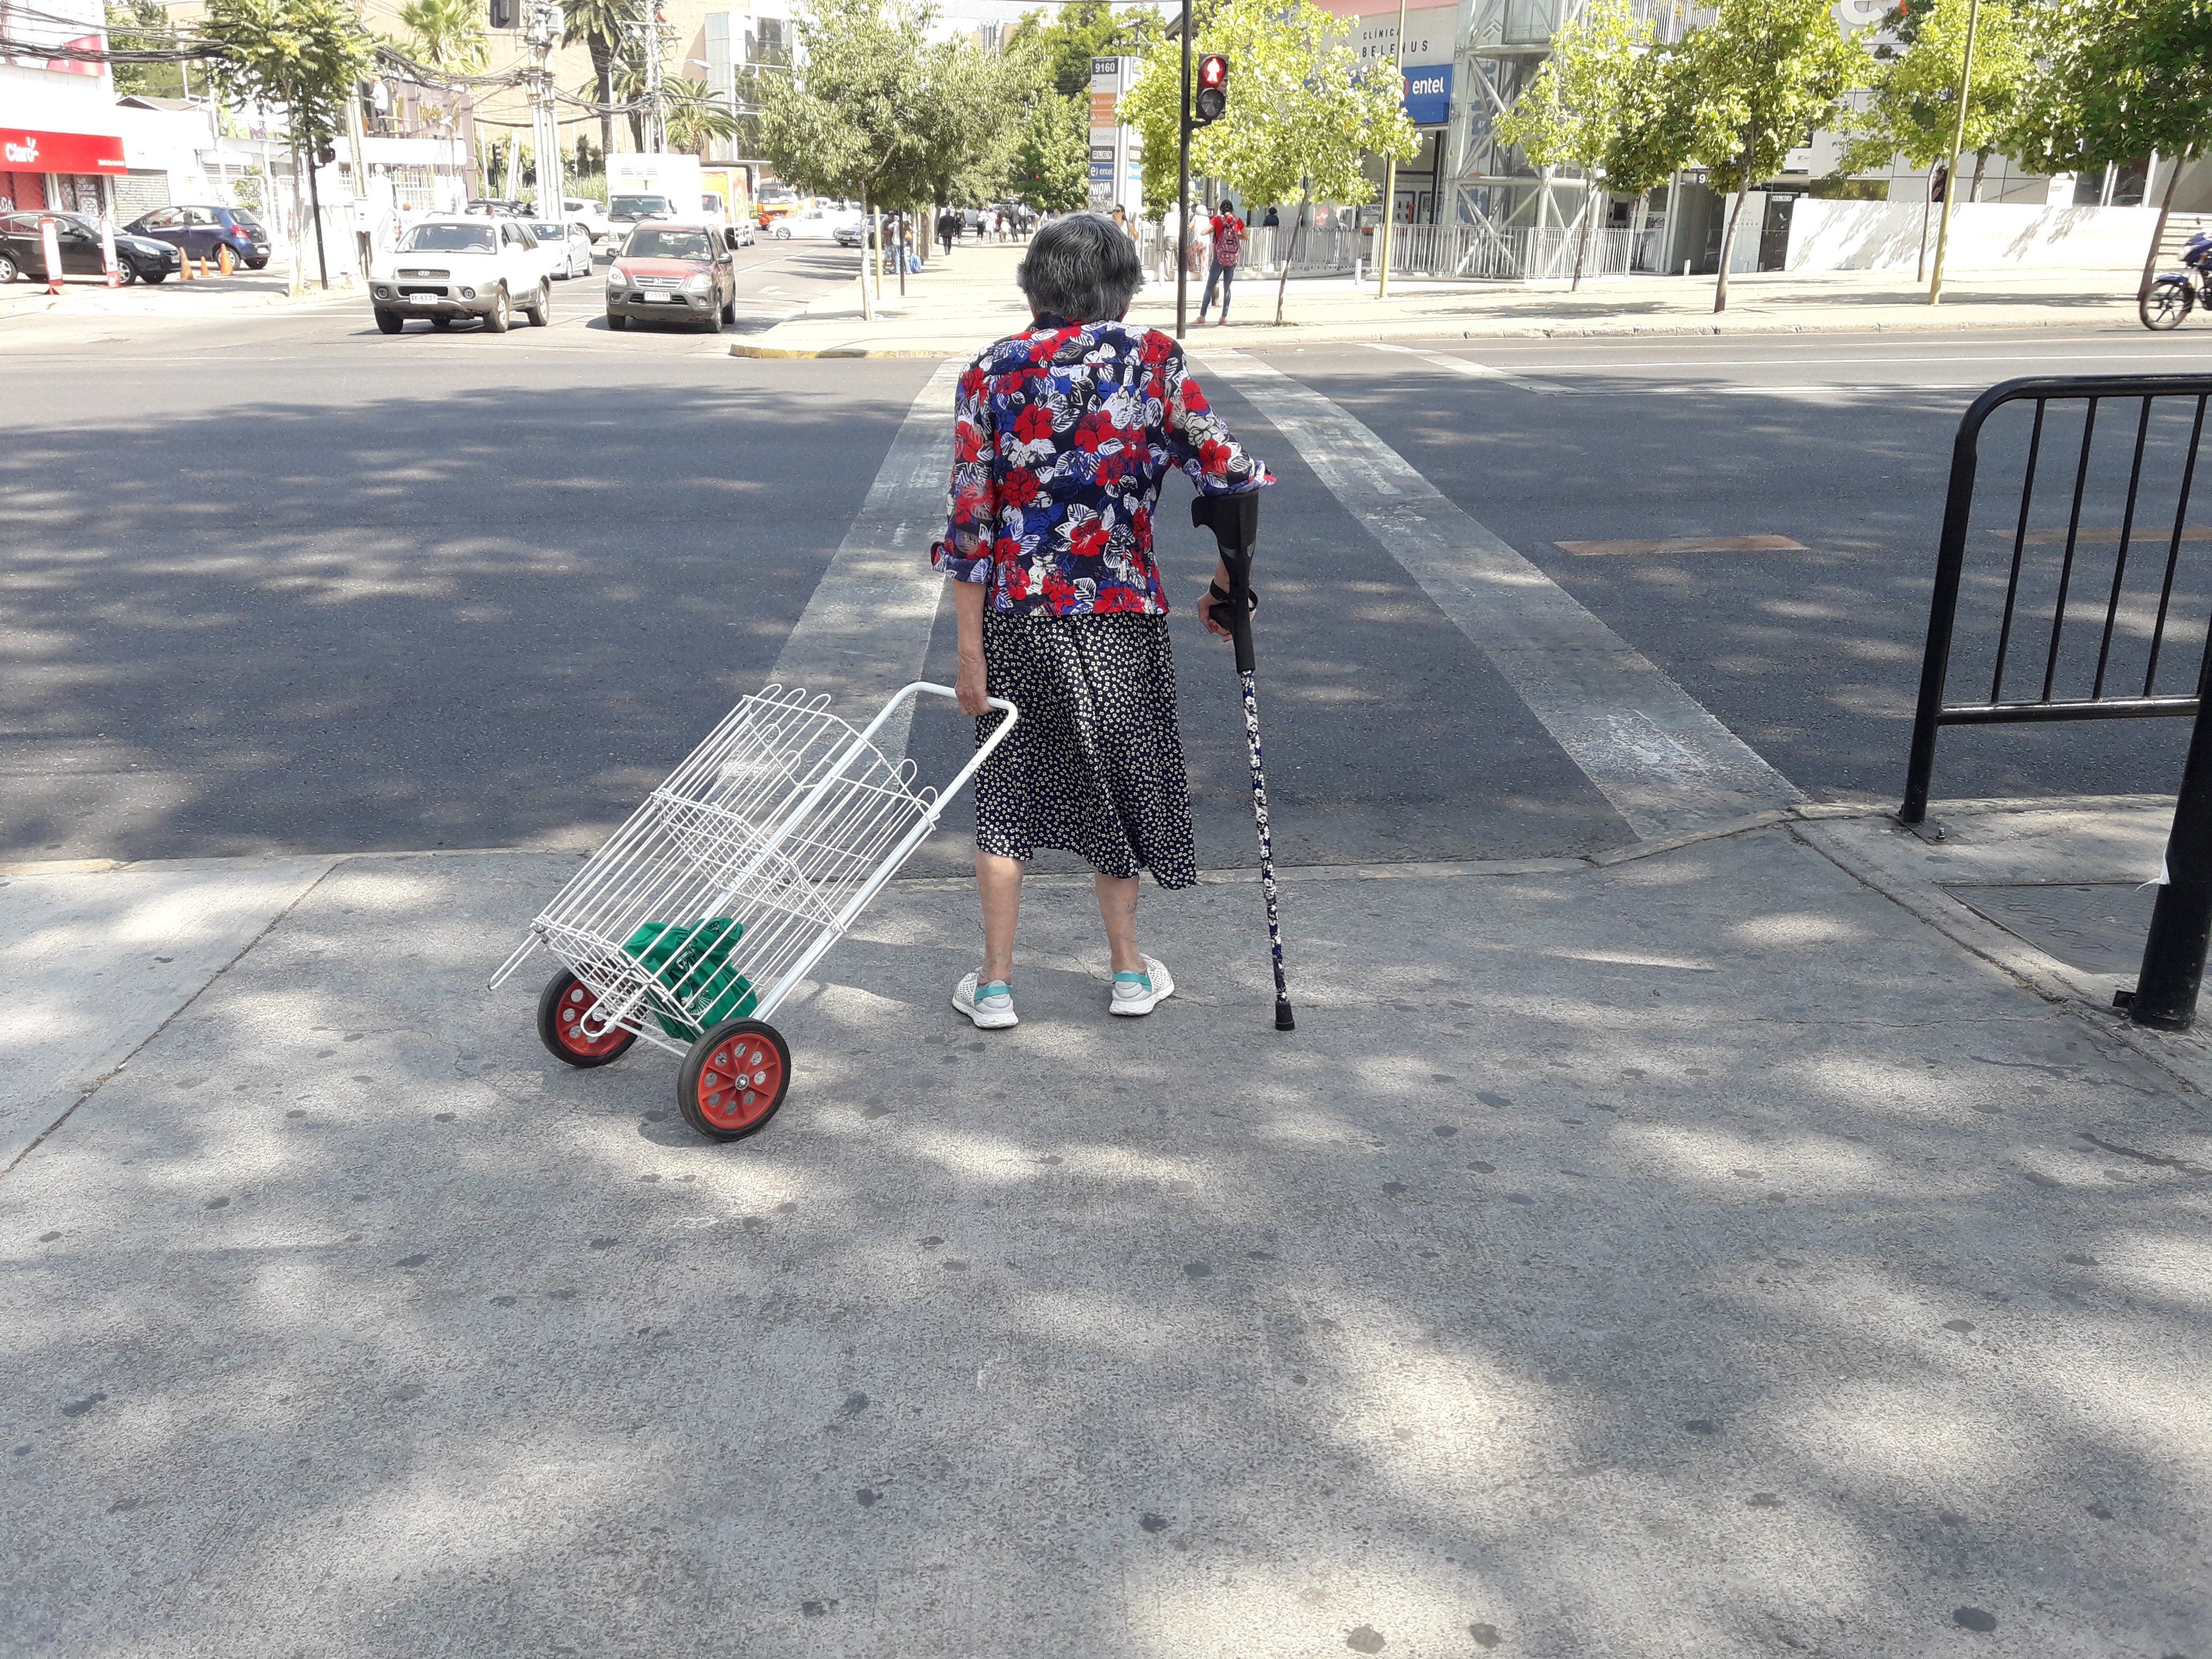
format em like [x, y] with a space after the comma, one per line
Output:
[1283, 1020]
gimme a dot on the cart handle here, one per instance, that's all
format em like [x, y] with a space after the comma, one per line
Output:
[998, 734]
[913, 838]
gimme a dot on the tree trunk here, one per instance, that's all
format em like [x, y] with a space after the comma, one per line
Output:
[602, 66]
[1582, 244]
[1297, 229]
[867, 296]
[2158, 235]
[293, 283]
[1981, 161]
[1728, 237]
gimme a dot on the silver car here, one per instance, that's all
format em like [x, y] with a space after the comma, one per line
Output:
[568, 247]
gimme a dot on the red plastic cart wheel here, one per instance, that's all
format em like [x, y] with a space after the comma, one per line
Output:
[733, 1079]
[561, 1010]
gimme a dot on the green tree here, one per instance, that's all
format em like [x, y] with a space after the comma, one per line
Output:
[872, 110]
[694, 115]
[1061, 46]
[1572, 113]
[446, 35]
[1303, 111]
[597, 25]
[2115, 80]
[1052, 157]
[1915, 106]
[305, 57]
[1654, 124]
[1760, 76]
[142, 25]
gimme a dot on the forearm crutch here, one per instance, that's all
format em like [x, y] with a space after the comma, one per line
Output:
[1235, 522]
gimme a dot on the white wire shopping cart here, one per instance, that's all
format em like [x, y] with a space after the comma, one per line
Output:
[701, 913]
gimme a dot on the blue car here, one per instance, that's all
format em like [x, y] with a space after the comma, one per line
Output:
[200, 231]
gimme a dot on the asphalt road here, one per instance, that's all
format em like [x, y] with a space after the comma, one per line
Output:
[279, 583]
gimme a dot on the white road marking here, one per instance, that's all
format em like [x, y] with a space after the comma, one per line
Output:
[1665, 762]
[1469, 367]
[1812, 362]
[867, 630]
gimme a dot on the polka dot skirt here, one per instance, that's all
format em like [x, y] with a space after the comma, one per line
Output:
[1095, 767]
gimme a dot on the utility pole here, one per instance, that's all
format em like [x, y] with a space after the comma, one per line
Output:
[650, 28]
[543, 33]
[1391, 169]
[656, 118]
[1182, 186]
[1957, 143]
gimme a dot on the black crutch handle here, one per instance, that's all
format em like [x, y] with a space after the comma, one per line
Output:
[1235, 522]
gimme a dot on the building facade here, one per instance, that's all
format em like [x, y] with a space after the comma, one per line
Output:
[59, 142]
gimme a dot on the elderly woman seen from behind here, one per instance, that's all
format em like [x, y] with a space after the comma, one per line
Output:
[1061, 437]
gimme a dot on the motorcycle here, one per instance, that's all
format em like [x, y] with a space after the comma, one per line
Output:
[2173, 295]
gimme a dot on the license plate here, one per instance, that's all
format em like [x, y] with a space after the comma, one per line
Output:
[424, 299]
[666, 298]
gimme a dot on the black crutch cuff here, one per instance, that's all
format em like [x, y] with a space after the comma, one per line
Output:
[1221, 597]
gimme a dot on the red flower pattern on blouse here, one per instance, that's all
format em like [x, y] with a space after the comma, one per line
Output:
[1062, 438]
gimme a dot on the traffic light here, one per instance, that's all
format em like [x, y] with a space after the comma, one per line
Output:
[1210, 102]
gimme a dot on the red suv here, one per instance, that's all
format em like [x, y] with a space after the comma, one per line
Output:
[679, 272]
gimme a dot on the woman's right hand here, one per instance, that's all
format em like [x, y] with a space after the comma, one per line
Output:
[972, 687]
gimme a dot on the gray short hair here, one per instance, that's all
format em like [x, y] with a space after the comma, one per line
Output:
[1084, 268]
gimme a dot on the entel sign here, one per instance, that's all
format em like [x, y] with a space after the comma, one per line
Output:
[22, 149]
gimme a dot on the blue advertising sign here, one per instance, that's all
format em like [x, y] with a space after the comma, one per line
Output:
[1428, 96]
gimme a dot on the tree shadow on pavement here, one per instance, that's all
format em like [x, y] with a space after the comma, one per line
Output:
[481, 617]
[1697, 1256]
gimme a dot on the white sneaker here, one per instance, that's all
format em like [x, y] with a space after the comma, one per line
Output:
[991, 1007]
[1137, 993]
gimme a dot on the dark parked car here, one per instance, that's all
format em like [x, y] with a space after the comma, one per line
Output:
[23, 250]
[199, 231]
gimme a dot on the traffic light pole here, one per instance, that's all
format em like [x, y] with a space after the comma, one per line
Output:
[1182, 187]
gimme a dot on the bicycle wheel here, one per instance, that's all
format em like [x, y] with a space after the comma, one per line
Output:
[2169, 301]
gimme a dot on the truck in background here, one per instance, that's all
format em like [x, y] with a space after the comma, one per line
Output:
[726, 194]
[641, 187]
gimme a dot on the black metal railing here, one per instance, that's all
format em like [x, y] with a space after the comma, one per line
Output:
[2160, 467]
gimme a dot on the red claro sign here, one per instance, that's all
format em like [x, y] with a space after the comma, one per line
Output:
[23, 150]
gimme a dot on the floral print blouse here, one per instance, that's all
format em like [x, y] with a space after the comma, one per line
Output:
[1061, 437]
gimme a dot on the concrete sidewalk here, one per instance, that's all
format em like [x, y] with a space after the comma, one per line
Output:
[204, 296]
[1697, 1252]
[957, 305]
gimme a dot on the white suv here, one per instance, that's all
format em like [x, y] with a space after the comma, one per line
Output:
[463, 267]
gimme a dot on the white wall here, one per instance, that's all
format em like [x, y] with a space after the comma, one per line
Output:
[1827, 235]
[50, 102]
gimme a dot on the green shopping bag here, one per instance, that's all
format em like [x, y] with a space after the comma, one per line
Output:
[691, 962]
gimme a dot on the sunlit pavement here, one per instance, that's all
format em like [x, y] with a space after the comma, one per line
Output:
[1752, 1242]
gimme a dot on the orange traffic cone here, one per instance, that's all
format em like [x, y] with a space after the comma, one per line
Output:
[223, 260]
[184, 264]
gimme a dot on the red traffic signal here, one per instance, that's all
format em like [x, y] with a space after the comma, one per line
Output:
[1211, 102]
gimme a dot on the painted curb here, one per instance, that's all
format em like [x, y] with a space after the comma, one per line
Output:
[1293, 334]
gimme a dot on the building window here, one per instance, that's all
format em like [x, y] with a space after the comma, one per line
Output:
[1530, 22]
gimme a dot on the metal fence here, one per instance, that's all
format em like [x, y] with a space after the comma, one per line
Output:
[1476, 253]
[2099, 610]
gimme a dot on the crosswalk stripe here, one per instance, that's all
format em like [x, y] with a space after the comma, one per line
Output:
[865, 631]
[1473, 369]
[1666, 765]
